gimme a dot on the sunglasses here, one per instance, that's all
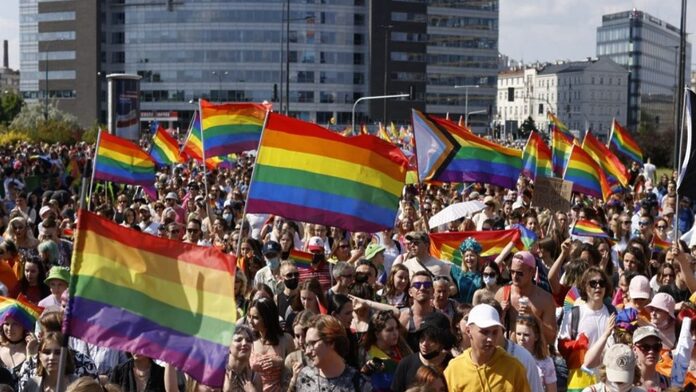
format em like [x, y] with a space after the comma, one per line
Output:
[643, 223]
[491, 275]
[422, 285]
[601, 283]
[292, 275]
[646, 348]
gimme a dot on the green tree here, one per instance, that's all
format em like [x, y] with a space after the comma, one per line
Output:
[661, 154]
[527, 127]
[59, 126]
[10, 106]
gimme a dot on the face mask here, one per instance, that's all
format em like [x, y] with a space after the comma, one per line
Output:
[292, 283]
[489, 281]
[430, 355]
[625, 387]
[227, 217]
[273, 263]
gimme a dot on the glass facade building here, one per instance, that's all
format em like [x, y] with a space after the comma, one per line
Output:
[648, 47]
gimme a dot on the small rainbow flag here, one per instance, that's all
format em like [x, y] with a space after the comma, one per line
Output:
[120, 160]
[231, 127]
[536, 158]
[561, 146]
[558, 124]
[621, 140]
[20, 310]
[302, 260]
[586, 228]
[445, 246]
[382, 133]
[571, 298]
[660, 245]
[588, 178]
[527, 236]
[616, 171]
[165, 148]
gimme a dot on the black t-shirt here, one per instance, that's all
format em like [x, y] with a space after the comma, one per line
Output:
[406, 371]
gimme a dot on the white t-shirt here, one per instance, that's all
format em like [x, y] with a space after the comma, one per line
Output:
[436, 266]
[592, 323]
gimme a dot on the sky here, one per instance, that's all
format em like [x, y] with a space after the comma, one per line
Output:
[530, 30]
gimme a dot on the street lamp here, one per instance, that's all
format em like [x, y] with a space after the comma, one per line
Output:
[466, 118]
[220, 75]
[371, 98]
[466, 88]
[387, 29]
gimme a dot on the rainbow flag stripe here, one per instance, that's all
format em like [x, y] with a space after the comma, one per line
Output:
[616, 171]
[586, 228]
[306, 172]
[528, 237]
[536, 158]
[302, 260]
[193, 146]
[620, 138]
[461, 155]
[588, 178]
[156, 297]
[231, 127]
[445, 246]
[571, 298]
[660, 245]
[120, 160]
[20, 310]
[165, 148]
[561, 146]
[558, 124]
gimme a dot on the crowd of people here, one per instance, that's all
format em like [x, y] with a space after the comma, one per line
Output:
[374, 311]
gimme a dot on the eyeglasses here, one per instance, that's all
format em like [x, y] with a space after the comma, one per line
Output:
[491, 275]
[601, 283]
[422, 285]
[292, 275]
[643, 223]
[646, 348]
[514, 273]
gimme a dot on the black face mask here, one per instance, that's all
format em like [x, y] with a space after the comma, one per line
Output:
[317, 258]
[292, 283]
[431, 355]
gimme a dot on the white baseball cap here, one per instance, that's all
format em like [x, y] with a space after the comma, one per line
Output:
[484, 316]
[620, 363]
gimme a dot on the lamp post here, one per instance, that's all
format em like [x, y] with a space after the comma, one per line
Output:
[220, 75]
[466, 88]
[371, 98]
[466, 118]
[387, 29]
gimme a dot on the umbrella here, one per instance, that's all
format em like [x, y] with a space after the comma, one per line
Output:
[456, 211]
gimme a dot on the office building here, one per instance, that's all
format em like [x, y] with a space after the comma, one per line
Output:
[648, 48]
[585, 95]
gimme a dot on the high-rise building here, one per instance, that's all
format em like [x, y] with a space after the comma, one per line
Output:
[649, 48]
[313, 58]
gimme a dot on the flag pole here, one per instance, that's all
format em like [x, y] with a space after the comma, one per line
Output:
[679, 169]
[205, 167]
[611, 133]
[251, 180]
[94, 169]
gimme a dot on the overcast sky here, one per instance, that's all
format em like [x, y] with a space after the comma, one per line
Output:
[530, 30]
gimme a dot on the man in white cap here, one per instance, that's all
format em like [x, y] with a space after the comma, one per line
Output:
[485, 366]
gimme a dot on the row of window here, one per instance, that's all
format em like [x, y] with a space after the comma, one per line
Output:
[57, 55]
[463, 22]
[237, 56]
[302, 96]
[240, 36]
[51, 75]
[63, 94]
[250, 76]
[207, 16]
[47, 17]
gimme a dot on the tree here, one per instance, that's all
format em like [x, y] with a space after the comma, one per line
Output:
[527, 127]
[10, 106]
[58, 127]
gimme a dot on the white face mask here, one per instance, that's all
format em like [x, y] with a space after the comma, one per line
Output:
[614, 387]
[489, 281]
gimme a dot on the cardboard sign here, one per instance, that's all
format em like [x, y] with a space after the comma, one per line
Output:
[552, 193]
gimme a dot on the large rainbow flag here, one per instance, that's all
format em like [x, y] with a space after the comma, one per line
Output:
[621, 140]
[536, 158]
[231, 127]
[165, 148]
[616, 171]
[445, 246]
[449, 153]
[156, 297]
[561, 145]
[120, 160]
[587, 176]
[306, 172]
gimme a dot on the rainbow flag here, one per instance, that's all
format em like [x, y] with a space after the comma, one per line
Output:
[616, 171]
[561, 145]
[302, 260]
[193, 145]
[620, 138]
[445, 246]
[160, 298]
[660, 245]
[536, 158]
[308, 173]
[20, 310]
[587, 228]
[231, 127]
[165, 148]
[587, 177]
[448, 153]
[572, 297]
[558, 124]
[120, 160]
[528, 237]
[382, 133]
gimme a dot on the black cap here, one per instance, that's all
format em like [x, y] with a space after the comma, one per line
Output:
[271, 247]
[440, 324]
